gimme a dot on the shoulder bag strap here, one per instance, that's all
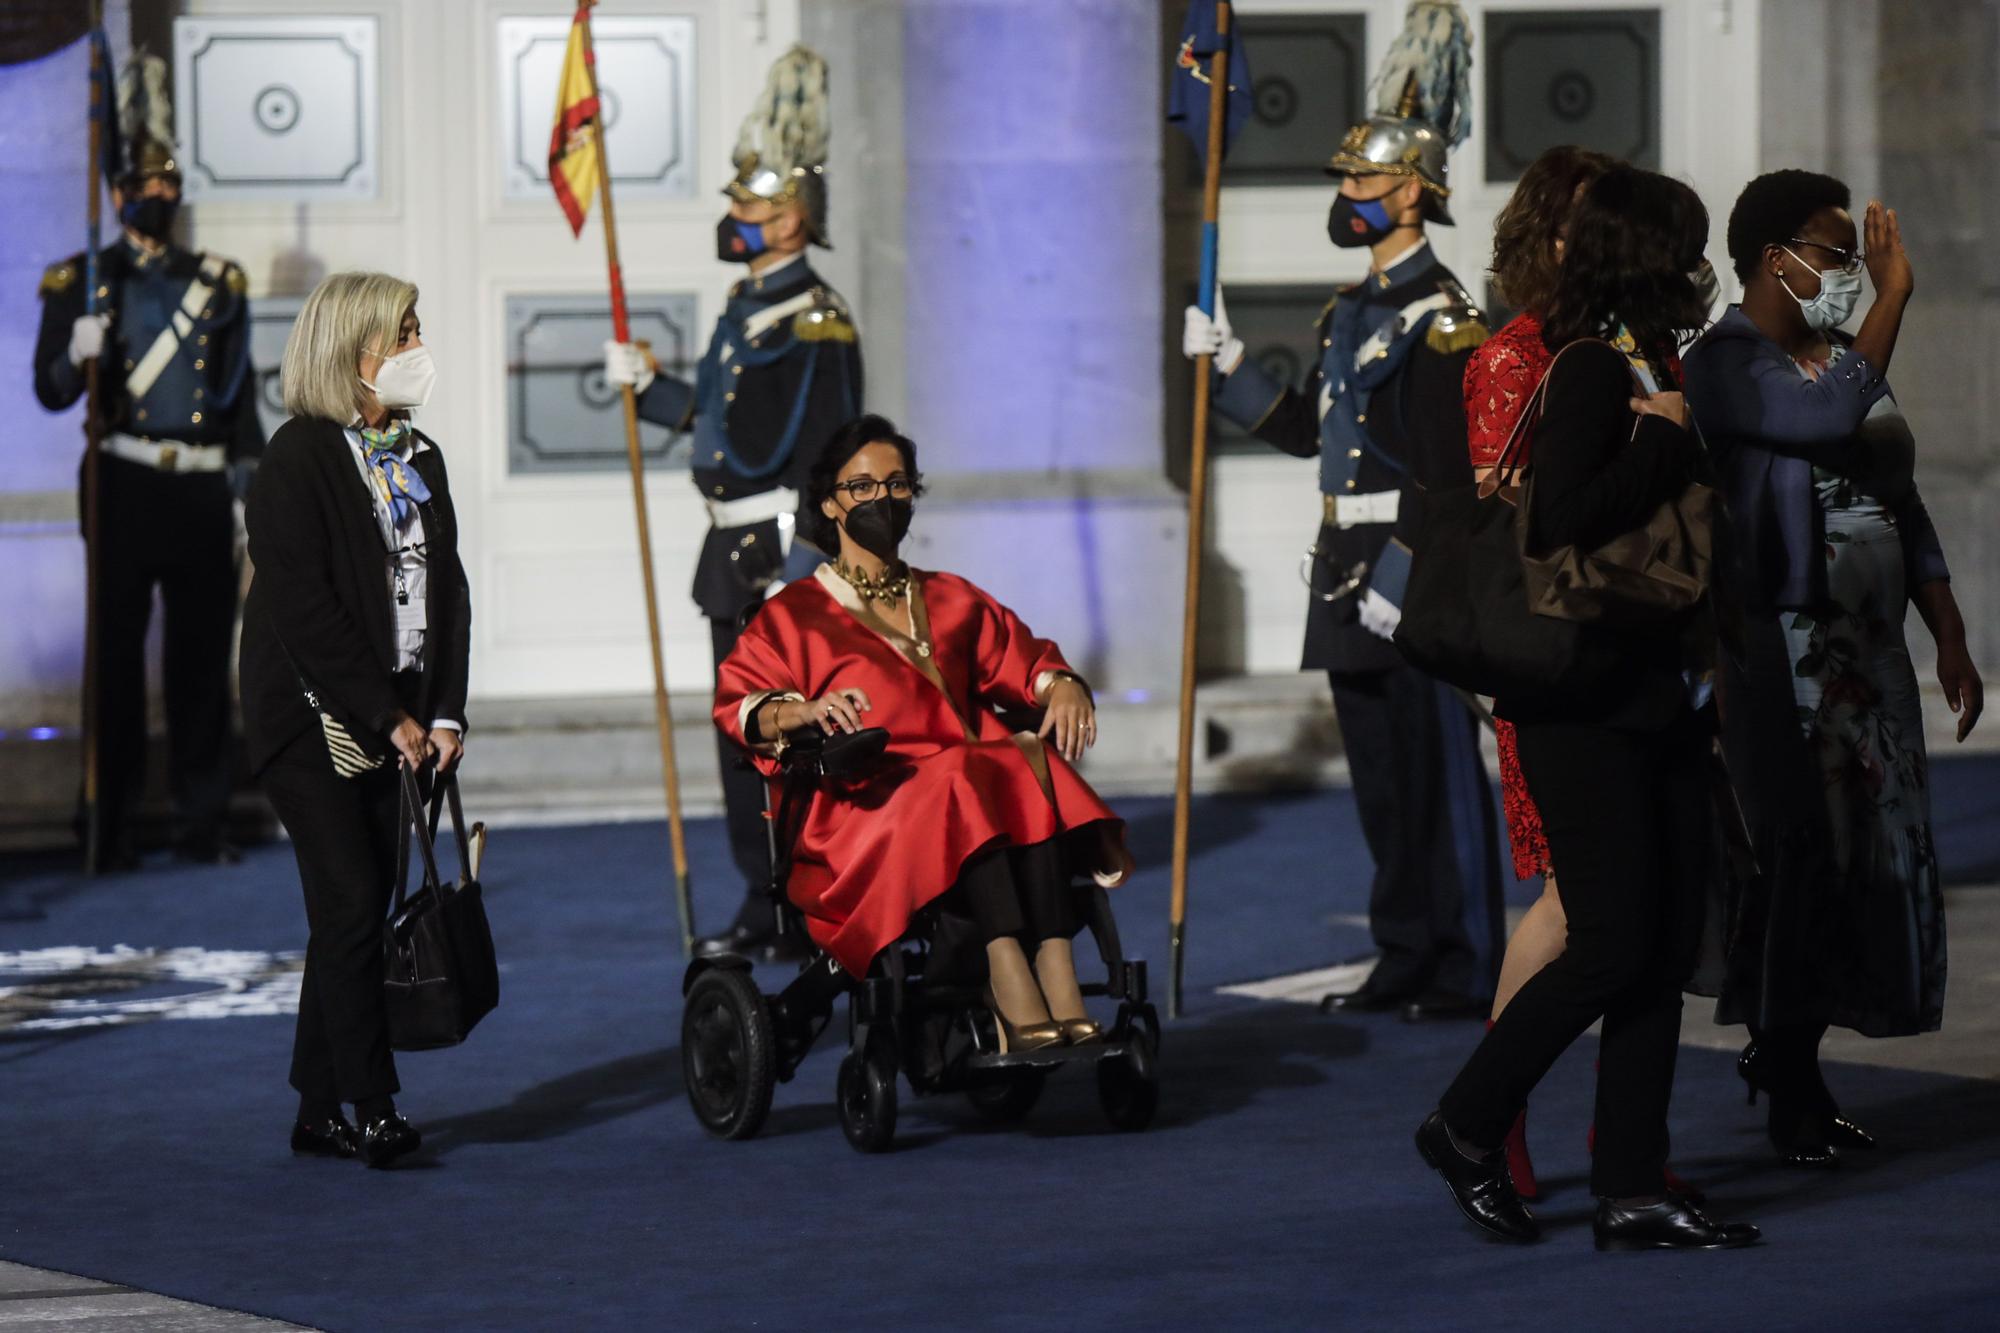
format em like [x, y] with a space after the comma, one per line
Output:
[444, 793]
[1512, 458]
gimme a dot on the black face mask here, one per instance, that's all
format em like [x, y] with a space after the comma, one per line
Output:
[738, 242]
[1351, 223]
[150, 215]
[879, 526]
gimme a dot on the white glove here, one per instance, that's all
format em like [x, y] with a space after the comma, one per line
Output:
[1202, 334]
[1379, 615]
[86, 337]
[627, 363]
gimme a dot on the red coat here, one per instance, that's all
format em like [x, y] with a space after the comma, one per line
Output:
[954, 779]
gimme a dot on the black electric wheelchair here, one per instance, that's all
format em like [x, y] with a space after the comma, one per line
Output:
[915, 1013]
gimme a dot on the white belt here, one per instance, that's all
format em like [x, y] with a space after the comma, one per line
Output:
[167, 455]
[759, 508]
[1351, 511]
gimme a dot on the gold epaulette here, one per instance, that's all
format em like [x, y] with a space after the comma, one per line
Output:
[826, 321]
[237, 279]
[1460, 325]
[58, 278]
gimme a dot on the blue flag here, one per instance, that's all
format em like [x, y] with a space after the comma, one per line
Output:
[1187, 95]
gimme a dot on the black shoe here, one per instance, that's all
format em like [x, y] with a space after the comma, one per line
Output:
[1844, 1133]
[1480, 1186]
[741, 940]
[1366, 1000]
[325, 1138]
[1671, 1224]
[1438, 1005]
[385, 1139]
[212, 850]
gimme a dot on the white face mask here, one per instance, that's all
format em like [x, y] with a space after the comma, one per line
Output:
[1839, 293]
[405, 380]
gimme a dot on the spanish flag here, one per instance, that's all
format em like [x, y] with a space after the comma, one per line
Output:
[574, 157]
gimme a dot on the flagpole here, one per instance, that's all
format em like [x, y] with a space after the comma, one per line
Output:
[93, 430]
[1211, 207]
[621, 330]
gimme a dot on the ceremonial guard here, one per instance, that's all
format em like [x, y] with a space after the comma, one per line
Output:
[179, 441]
[1384, 412]
[781, 374]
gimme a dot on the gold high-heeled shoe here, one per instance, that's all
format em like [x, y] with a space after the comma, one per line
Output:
[1032, 1037]
[1081, 1030]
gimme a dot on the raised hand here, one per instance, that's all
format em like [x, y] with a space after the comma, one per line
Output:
[1882, 242]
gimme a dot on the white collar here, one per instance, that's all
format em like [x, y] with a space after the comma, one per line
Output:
[759, 281]
[1383, 270]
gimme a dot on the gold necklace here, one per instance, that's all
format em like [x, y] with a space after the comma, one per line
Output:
[892, 585]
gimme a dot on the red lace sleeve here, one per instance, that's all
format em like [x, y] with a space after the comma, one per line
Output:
[1498, 379]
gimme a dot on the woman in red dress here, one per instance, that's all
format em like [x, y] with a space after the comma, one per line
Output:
[1503, 372]
[961, 800]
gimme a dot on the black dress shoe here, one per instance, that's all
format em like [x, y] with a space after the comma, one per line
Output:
[384, 1140]
[1439, 1005]
[1480, 1186]
[761, 944]
[325, 1138]
[1364, 1001]
[1671, 1224]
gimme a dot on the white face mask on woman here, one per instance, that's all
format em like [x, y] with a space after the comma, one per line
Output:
[405, 380]
[1839, 293]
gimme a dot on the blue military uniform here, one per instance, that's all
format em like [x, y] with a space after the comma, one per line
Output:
[175, 404]
[781, 374]
[1384, 413]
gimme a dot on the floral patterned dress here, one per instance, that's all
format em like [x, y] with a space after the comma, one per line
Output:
[1501, 375]
[1858, 706]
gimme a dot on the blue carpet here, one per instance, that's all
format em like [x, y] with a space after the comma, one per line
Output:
[569, 1187]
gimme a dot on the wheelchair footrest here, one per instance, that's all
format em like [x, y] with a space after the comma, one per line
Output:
[1048, 1057]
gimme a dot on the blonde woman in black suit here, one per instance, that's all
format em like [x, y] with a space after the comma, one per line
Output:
[358, 610]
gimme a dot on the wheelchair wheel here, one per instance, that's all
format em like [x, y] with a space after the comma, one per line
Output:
[1008, 1095]
[728, 1059]
[1128, 1086]
[867, 1092]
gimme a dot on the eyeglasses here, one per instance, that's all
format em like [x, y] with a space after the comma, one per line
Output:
[1850, 260]
[863, 489]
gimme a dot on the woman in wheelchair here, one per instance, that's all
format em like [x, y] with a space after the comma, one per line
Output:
[959, 801]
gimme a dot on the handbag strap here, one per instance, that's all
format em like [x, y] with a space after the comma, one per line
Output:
[410, 817]
[1512, 458]
[444, 793]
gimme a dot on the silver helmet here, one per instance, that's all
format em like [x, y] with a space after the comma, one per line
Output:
[1423, 106]
[781, 150]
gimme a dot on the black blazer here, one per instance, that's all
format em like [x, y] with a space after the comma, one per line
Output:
[319, 605]
[1600, 471]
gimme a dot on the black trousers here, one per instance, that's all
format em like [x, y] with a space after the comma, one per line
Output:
[1435, 908]
[173, 531]
[743, 805]
[1020, 891]
[1630, 821]
[343, 833]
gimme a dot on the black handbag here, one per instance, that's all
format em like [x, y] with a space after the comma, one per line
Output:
[1466, 608]
[440, 976]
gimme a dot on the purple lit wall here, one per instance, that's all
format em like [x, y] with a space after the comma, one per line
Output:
[43, 143]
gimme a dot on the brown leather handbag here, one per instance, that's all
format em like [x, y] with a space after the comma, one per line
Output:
[1643, 576]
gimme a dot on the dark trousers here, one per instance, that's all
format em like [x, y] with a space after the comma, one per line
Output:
[1022, 892]
[743, 805]
[1630, 823]
[1426, 809]
[343, 833]
[173, 531]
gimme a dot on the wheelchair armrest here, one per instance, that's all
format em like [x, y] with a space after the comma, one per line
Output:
[844, 754]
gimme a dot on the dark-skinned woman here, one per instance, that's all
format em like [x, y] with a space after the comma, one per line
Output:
[960, 803]
[1821, 716]
[1618, 769]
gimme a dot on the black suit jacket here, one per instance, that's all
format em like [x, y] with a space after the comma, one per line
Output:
[319, 605]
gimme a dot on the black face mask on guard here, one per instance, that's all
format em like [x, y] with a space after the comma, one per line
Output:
[150, 215]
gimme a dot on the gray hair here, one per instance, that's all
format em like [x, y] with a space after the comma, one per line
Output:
[346, 315]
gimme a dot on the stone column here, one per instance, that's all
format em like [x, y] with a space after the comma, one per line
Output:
[1032, 225]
